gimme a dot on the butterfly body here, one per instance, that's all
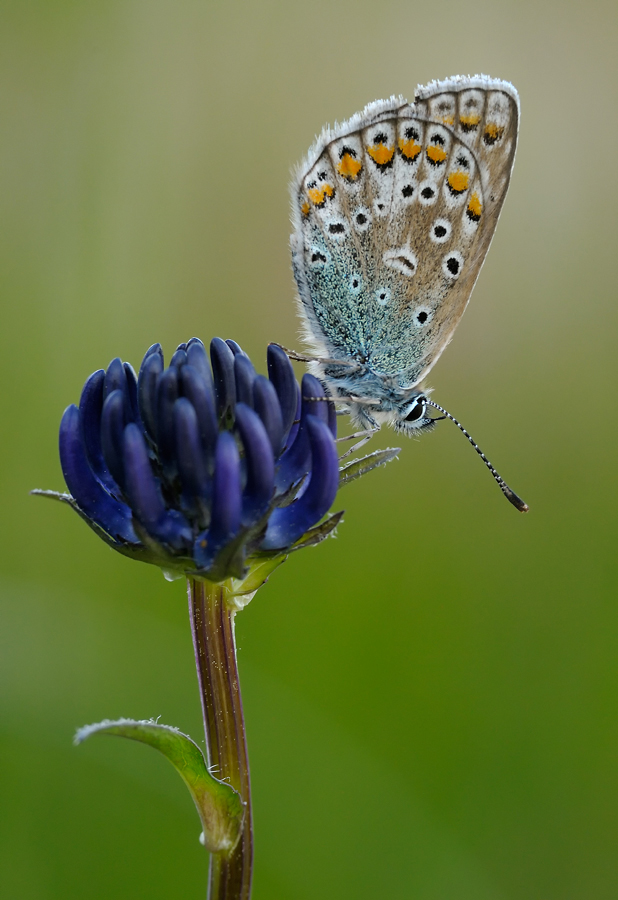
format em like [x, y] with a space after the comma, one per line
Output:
[394, 212]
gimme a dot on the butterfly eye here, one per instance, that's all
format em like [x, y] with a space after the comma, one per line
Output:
[417, 410]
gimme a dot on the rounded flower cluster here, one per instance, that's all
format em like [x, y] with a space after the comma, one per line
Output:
[202, 465]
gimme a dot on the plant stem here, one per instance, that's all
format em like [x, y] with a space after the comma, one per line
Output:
[212, 625]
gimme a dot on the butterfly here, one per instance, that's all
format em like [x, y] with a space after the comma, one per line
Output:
[393, 213]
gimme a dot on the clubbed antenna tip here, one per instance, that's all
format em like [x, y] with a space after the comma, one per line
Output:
[517, 502]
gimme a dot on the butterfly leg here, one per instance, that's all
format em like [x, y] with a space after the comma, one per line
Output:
[364, 437]
[325, 361]
[299, 357]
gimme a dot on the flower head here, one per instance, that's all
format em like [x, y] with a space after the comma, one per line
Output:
[202, 467]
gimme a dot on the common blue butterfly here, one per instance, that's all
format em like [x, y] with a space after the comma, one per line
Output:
[393, 214]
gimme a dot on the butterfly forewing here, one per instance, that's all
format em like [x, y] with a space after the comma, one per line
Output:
[394, 212]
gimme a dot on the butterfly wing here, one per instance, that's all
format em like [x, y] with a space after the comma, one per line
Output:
[394, 212]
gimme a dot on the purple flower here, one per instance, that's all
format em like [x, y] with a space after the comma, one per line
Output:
[203, 467]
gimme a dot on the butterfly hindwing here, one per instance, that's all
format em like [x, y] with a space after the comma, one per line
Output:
[394, 212]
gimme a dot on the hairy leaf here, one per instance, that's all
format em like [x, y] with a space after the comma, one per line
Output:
[220, 808]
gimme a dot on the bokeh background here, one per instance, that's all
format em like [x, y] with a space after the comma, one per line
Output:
[432, 698]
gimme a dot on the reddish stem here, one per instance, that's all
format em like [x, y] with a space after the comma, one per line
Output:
[212, 625]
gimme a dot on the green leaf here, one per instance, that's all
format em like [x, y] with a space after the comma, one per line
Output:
[220, 808]
[360, 467]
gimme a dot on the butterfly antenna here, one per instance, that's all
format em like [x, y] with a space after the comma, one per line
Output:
[510, 495]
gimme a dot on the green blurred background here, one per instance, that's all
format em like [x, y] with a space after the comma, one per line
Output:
[431, 698]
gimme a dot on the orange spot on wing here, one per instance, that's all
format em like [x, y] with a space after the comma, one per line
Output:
[349, 167]
[474, 207]
[458, 182]
[469, 123]
[319, 195]
[305, 208]
[448, 120]
[410, 149]
[436, 154]
[381, 154]
[493, 133]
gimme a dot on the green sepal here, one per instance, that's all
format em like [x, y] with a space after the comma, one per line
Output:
[359, 467]
[318, 533]
[219, 806]
[241, 591]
